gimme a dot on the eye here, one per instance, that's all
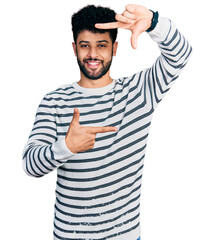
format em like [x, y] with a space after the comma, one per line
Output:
[84, 46]
[101, 45]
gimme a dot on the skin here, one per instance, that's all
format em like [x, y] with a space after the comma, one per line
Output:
[94, 46]
[135, 18]
[94, 52]
[81, 138]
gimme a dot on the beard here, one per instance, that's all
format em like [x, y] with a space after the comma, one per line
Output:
[94, 75]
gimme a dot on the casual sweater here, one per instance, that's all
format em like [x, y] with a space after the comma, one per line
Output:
[98, 191]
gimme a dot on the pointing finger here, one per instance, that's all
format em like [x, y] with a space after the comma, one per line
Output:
[109, 25]
[102, 129]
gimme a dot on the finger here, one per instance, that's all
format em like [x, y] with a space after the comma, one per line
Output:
[129, 15]
[134, 38]
[109, 25]
[123, 19]
[76, 116]
[102, 129]
[130, 8]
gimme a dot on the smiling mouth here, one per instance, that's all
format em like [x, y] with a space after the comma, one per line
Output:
[93, 64]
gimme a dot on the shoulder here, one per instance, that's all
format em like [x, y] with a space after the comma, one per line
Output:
[134, 78]
[61, 92]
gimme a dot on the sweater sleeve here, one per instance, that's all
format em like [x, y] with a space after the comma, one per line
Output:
[175, 52]
[43, 151]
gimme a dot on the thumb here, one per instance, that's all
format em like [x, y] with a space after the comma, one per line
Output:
[76, 116]
[134, 38]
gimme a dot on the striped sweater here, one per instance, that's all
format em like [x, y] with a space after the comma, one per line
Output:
[98, 191]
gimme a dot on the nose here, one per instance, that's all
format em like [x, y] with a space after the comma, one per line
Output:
[93, 53]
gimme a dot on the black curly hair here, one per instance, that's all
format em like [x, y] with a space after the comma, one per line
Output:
[87, 17]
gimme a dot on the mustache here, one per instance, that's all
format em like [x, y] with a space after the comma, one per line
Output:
[92, 59]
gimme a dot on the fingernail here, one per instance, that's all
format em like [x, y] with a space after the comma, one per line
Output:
[116, 129]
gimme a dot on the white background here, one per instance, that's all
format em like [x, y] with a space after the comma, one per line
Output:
[178, 200]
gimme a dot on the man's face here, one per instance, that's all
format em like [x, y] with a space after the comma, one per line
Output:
[94, 53]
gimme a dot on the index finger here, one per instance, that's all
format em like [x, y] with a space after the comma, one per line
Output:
[109, 25]
[102, 129]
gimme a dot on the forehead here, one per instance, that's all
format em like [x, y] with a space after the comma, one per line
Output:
[93, 37]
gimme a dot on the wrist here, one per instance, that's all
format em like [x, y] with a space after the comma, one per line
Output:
[154, 21]
[69, 145]
[150, 18]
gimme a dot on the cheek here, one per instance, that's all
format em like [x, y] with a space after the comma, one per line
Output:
[108, 54]
[80, 55]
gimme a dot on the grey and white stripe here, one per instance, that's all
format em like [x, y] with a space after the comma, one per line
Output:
[98, 191]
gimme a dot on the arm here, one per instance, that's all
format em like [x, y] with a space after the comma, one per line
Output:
[175, 50]
[43, 151]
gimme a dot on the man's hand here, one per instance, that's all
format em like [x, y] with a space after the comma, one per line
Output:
[81, 138]
[136, 18]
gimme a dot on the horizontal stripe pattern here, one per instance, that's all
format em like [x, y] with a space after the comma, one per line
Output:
[98, 191]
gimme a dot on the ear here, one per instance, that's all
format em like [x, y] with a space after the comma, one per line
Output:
[74, 48]
[115, 45]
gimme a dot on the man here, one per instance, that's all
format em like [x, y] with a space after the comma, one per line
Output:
[95, 131]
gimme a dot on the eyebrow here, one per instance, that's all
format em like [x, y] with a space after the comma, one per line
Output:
[96, 41]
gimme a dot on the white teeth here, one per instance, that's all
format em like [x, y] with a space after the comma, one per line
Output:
[93, 63]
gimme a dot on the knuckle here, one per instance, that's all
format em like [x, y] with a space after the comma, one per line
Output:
[92, 142]
[118, 17]
[124, 13]
[92, 137]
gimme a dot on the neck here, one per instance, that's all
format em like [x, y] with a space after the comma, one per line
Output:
[95, 83]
